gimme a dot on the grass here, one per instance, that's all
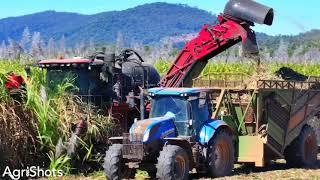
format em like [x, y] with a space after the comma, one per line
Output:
[18, 135]
[59, 163]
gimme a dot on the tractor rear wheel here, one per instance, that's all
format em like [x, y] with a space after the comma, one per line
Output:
[302, 152]
[173, 163]
[114, 166]
[221, 155]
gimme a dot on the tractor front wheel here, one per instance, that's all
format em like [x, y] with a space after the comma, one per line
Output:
[173, 163]
[114, 166]
[302, 152]
[221, 155]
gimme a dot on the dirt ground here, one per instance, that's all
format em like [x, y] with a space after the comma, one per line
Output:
[275, 170]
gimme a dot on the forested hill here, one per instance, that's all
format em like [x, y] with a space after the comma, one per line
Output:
[146, 23]
[295, 45]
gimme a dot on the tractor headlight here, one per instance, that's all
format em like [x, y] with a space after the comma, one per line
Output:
[146, 135]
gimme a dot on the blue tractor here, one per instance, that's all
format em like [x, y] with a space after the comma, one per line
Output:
[179, 135]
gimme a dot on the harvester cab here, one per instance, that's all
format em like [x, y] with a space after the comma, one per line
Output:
[85, 73]
[107, 81]
[103, 75]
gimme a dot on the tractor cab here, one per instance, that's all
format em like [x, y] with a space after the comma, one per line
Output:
[188, 105]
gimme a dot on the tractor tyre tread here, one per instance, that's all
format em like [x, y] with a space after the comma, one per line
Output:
[166, 160]
[294, 153]
[222, 135]
[112, 162]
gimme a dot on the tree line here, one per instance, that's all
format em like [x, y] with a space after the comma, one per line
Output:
[31, 46]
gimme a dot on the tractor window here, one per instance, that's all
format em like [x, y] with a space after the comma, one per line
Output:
[55, 77]
[87, 81]
[162, 105]
[177, 105]
[200, 114]
[79, 78]
[89, 85]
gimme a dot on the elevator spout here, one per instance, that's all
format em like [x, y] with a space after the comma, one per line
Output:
[249, 10]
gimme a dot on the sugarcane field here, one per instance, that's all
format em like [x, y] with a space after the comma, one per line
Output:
[163, 90]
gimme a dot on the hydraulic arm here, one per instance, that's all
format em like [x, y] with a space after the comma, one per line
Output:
[233, 26]
[211, 41]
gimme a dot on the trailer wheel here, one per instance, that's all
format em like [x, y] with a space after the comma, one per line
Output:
[114, 166]
[173, 163]
[302, 152]
[221, 155]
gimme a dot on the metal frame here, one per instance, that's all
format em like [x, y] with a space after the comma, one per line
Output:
[279, 84]
[218, 80]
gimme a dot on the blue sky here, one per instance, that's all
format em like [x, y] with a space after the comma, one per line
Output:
[292, 16]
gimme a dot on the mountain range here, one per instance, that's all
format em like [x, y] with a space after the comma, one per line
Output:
[146, 23]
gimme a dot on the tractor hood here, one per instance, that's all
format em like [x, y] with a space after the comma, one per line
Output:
[153, 129]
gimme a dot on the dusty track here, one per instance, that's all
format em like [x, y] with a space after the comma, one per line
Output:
[276, 170]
